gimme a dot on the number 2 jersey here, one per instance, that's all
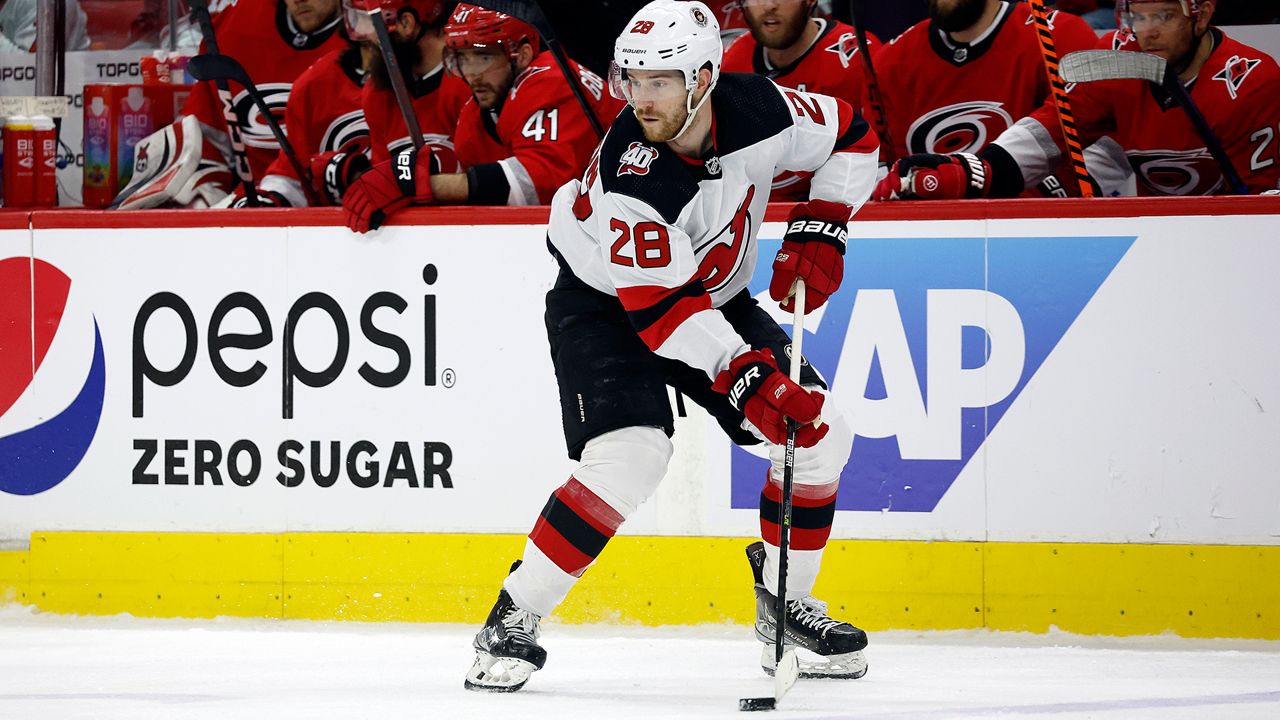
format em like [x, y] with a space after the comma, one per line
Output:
[1237, 90]
[675, 237]
[833, 66]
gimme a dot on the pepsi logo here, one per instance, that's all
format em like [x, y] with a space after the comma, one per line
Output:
[52, 378]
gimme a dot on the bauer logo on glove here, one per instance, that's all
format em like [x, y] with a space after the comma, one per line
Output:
[813, 250]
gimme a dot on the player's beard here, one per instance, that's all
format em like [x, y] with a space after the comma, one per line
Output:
[791, 28]
[667, 126]
[408, 55]
[960, 16]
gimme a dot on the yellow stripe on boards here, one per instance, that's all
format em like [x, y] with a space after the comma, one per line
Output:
[14, 576]
[1110, 589]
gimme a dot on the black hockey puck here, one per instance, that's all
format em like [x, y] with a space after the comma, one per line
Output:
[761, 703]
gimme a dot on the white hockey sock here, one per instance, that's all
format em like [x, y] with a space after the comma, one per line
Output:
[802, 571]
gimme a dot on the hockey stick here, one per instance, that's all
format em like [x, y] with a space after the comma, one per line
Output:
[874, 99]
[1066, 120]
[200, 13]
[786, 665]
[1095, 65]
[225, 68]
[531, 12]
[397, 80]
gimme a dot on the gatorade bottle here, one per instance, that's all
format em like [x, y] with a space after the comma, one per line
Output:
[19, 162]
[46, 156]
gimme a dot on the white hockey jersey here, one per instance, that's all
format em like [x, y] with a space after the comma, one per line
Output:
[675, 237]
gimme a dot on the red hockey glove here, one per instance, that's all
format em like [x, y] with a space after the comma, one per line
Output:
[936, 177]
[758, 390]
[386, 188]
[333, 172]
[813, 249]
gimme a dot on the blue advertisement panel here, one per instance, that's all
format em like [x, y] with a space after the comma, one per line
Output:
[939, 335]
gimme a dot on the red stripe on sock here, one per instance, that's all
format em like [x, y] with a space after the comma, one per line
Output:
[588, 506]
[561, 552]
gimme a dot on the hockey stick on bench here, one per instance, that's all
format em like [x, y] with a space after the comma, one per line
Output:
[1095, 65]
[200, 13]
[1058, 91]
[787, 668]
[224, 68]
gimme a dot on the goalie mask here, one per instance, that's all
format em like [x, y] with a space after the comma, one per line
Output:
[668, 35]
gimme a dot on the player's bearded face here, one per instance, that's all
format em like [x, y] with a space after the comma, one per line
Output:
[956, 15]
[1162, 29]
[776, 24]
[310, 15]
[487, 70]
[659, 99]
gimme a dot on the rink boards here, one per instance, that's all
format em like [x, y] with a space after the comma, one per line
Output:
[1065, 416]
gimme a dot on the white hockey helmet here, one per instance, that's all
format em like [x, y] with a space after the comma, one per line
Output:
[668, 35]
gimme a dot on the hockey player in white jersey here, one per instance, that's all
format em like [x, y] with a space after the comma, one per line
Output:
[656, 244]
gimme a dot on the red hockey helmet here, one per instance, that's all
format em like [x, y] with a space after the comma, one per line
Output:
[476, 27]
[358, 13]
[1125, 10]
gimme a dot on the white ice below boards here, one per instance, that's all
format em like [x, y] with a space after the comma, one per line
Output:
[125, 668]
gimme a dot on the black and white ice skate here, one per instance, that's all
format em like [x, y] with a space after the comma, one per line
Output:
[834, 648]
[507, 649]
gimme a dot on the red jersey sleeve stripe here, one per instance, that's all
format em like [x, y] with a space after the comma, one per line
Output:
[655, 312]
[656, 334]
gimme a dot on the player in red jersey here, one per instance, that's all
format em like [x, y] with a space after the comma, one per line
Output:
[417, 34]
[275, 41]
[954, 82]
[520, 137]
[1236, 87]
[324, 122]
[795, 49]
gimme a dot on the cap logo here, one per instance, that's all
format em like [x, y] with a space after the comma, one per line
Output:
[699, 17]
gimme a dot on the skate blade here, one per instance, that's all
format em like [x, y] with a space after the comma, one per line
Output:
[849, 666]
[495, 674]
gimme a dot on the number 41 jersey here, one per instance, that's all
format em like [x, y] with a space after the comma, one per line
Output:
[674, 237]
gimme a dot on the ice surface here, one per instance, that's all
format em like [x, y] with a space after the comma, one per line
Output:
[63, 668]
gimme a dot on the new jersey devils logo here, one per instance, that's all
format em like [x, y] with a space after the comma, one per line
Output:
[844, 48]
[253, 125]
[721, 259]
[637, 159]
[1234, 72]
[347, 133]
[1177, 172]
[963, 127]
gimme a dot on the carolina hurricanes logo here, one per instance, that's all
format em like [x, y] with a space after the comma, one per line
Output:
[637, 159]
[347, 133]
[844, 48]
[963, 127]
[1123, 39]
[722, 260]
[1051, 17]
[1177, 172]
[1234, 73]
[254, 126]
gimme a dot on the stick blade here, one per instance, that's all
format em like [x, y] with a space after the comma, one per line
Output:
[784, 676]
[216, 67]
[1095, 65]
